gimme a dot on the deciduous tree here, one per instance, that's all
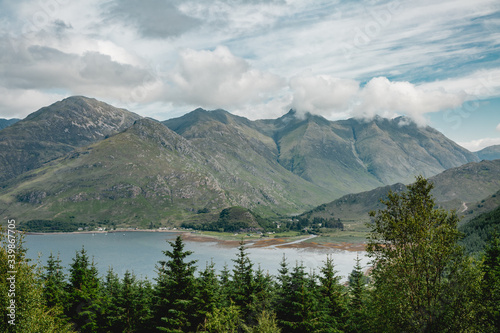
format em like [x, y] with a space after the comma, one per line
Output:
[422, 280]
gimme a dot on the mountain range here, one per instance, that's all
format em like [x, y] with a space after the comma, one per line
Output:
[56, 130]
[470, 190]
[489, 153]
[7, 122]
[84, 160]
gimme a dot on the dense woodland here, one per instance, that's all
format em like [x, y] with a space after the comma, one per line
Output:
[422, 281]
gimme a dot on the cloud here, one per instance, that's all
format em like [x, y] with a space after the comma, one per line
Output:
[477, 85]
[388, 99]
[90, 73]
[153, 19]
[498, 128]
[18, 103]
[219, 79]
[322, 94]
[331, 97]
[129, 51]
[476, 145]
[271, 109]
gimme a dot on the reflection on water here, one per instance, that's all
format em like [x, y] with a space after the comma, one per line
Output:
[140, 251]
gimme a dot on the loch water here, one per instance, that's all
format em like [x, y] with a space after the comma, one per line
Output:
[139, 252]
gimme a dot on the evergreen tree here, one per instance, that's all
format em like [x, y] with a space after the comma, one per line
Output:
[422, 281]
[175, 290]
[54, 282]
[331, 293]
[144, 310]
[242, 283]
[262, 294]
[22, 301]
[132, 306]
[282, 290]
[358, 317]
[490, 287]
[225, 286]
[266, 323]
[84, 305]
[207, 293]
[296, 306]
[110, 321]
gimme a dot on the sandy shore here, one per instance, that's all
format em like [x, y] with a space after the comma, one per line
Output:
[273, 242]
[251, 243]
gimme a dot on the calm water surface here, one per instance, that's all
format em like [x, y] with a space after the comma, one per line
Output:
[140, 252]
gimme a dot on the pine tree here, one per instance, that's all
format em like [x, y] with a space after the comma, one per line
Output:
[263, 293]
[110, 321]
[296, 306]
[54, 282]
[282, 290]
[175, 290]
[223, 320]
[332, 297]
[207, 293]
[242, 283]
[266, 323]
[225, 286]
[358, 318]
[84, 305]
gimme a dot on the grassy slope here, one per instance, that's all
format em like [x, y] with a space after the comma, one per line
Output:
[469, 184]
[245, 160]
[56, 130]
[126, 179]
[149, 174]
[480, 230]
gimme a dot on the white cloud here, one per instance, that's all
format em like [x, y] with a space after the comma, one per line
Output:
[322, 94]
[271, 109]
[217, 78]
[476, 145]
[40, 67]
[498, 127]
[330, 97]
[477, 85]
[120, 51]
[388, 99]
[152, 19]
[18, 103]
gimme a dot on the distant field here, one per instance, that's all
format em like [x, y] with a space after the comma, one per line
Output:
[355, 237]
[289, 235]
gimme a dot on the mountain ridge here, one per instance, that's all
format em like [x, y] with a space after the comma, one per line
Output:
[7, 122]
[58, 129]
[114, 160]
[460, 189]
[303, 145]
[489, 153]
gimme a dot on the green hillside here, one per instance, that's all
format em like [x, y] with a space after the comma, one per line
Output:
[339, 156]
[462, 189]
[83, 161]
[480, 230]
[56, 130]
[489, 153]
[147, 174]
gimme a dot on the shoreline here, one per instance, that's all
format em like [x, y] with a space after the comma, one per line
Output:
[99, 232]
[275, 243]
[250, 243]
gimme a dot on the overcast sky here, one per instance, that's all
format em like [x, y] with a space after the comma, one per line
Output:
[437, 62]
